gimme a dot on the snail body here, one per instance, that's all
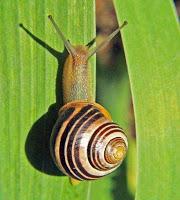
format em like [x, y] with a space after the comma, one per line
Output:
[76, 85]
[85, 143]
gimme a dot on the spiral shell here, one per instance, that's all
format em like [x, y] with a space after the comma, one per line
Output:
[85, 143]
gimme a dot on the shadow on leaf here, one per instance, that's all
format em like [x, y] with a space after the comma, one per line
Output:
[38, 139]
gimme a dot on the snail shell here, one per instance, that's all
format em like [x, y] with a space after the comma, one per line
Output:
[85, 143]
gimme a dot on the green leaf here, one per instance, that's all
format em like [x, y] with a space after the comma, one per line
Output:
[30, 94]
[152, 49]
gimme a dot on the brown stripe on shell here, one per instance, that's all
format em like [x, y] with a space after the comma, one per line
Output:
[100, 139]
[63, 140]
[89, 149]
[92, 144]
[78, 130]
[77, 144]
[60, 121]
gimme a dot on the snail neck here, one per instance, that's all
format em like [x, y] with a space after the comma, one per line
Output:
[77, 80]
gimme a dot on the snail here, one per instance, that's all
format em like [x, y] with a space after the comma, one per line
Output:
[85, 143]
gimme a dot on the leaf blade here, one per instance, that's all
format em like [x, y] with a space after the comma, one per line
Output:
[151, 46]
